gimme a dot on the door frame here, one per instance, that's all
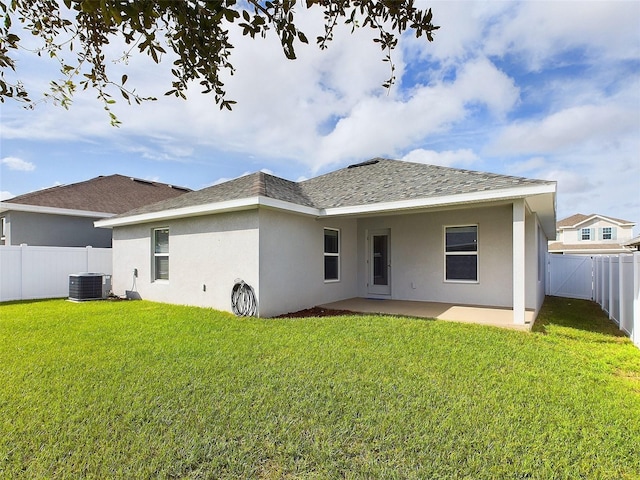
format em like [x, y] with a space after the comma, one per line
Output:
[372, 289]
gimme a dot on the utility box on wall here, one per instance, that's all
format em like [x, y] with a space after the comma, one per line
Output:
[89, 286]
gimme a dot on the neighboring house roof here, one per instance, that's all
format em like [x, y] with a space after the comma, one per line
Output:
[111, 194]
[574, 220]
[373, 186]
[634, 242]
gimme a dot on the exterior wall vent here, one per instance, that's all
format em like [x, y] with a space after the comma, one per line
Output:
[89, 286]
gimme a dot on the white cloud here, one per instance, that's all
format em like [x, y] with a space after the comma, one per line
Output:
[538, 32]
[325, 108]
[448, 158]
[567, 129]
[480, 81]
[531, 165]
[15, 163]
[5, 195]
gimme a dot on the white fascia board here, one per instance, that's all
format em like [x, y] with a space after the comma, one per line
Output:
[291, 207]
[20, 207]
[207, 209]
[474, 197]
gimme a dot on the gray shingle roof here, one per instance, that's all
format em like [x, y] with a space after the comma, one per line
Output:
[378, 180]
[255, 184]
[383, 180]
[108, 194]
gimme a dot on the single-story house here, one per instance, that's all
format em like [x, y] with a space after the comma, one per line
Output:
[382, 229]
[592, 234]
[63, 216]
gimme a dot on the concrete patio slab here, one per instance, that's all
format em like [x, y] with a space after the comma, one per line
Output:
[493, 316]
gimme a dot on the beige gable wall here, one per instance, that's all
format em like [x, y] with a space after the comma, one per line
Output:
[572, 236]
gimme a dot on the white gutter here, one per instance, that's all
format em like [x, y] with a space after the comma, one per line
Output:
[19, 207]
[261, 201]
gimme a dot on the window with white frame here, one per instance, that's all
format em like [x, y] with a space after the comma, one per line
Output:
[331, 255]
[161, 254]
[461, 254]
[3, 237]
[585, 234]
[607, 233]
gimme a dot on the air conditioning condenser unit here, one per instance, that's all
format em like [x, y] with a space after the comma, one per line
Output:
[89, 286]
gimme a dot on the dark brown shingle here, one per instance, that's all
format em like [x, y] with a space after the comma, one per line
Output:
[108, 194]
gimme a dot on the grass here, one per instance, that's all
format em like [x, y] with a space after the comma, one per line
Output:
[146, 390]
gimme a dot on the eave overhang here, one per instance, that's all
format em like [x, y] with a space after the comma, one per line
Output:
[540, 199]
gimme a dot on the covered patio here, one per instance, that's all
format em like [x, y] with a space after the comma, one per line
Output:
[482, 315]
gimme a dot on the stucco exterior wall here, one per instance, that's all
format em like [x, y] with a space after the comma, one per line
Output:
[292, 262]
[38, 229]
[281, 255]
[417, 256]
[206, 255]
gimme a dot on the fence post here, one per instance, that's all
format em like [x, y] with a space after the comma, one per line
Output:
[88, 258]
[635, 332]
[621, 292]
[599, 263]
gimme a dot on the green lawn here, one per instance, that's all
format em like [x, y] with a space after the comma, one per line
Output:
[146, 390]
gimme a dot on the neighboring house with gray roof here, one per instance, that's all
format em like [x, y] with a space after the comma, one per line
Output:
[592, 234]
[380, 229]
[63, 216]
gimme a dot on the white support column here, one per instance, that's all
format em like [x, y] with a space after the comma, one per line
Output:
[518, 262]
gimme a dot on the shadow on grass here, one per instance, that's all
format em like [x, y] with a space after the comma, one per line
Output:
[573, 313]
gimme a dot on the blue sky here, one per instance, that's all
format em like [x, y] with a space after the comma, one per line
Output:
[547, 90]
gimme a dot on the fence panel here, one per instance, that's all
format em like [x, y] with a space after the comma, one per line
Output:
[626, 293]
[615, 284]
[43, 272]
[10, 276]
[571, 276]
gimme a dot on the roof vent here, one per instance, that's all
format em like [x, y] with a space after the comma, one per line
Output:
[363, 164]
[182, 189]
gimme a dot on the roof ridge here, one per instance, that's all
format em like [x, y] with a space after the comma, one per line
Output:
[258, 188]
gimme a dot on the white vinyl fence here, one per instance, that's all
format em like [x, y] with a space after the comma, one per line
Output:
[571, 276]
[28, 272]
[613, 281]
